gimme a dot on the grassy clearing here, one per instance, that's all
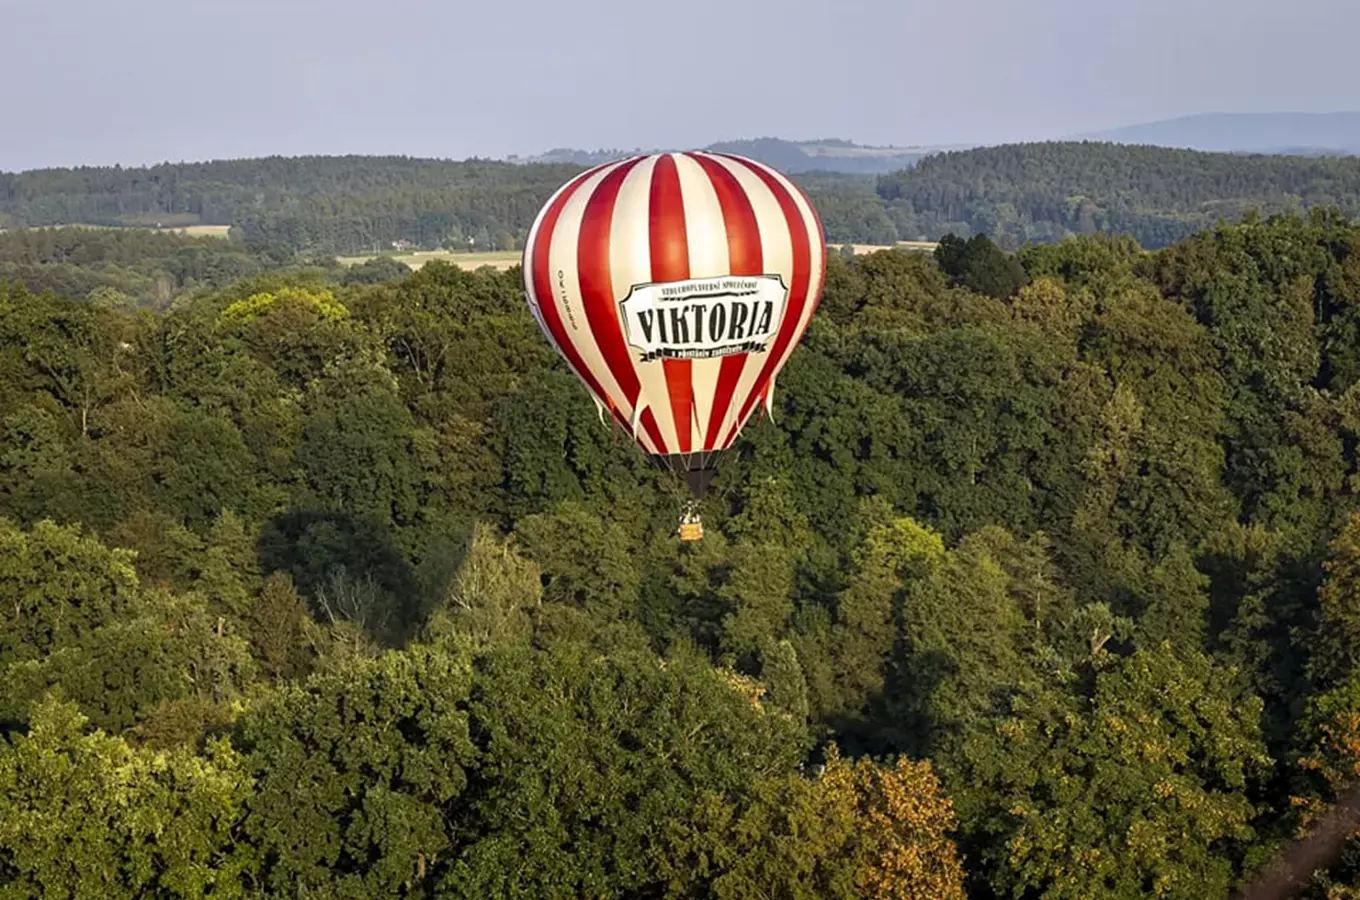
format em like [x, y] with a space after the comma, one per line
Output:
[923, 246]
[504, 259]
[219, 231]
[499, 259]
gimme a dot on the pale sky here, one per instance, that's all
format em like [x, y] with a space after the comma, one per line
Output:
[142, 81]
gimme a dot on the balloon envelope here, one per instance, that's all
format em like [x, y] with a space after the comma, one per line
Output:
[676, 285]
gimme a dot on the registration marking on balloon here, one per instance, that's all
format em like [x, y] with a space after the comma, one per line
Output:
[701, 318]
[566, 299]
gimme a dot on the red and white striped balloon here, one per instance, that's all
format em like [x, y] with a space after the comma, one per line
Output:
[676, 285]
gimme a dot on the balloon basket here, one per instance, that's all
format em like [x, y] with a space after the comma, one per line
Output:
[691, 528]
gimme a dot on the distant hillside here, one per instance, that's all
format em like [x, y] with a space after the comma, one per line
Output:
[793, 157]
[798, 157]
[280, 207]
[332, 204]
[1045, 191]
[355, 205]
[569, 156]
[1293, 133]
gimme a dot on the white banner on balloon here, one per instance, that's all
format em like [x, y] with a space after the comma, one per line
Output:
[700, 318]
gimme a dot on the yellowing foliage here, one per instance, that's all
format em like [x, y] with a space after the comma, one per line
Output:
[1339, 761]
[1046, 303]
[903, 822]
[1335, 757]
[750, 688]
[322, 301]
[858, 829]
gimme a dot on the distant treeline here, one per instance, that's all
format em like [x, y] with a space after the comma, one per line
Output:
[126, 267]
[121, 267]
[1015, 194]
[348, 204]
[129, 268]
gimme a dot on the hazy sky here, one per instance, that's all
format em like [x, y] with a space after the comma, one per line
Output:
[138, 81]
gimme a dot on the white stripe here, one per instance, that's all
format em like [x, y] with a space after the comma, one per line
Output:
[817, 259]
[527, 270]
[776, 248]
[630, 262]
[708, 258]
[527, 257]
[562, 255]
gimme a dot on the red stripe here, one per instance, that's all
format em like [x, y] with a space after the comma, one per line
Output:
[543, 291]
[597, 291]
[669, 247]
[666, 229]
[798, 293]
[744, 258]
[816, 295]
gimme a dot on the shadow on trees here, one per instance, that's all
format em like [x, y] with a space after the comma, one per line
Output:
[1257, 609]
[349, 569]
[897, 718]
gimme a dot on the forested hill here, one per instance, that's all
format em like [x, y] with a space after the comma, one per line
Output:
[1015, 193]
[1043, 191]
[335, 204]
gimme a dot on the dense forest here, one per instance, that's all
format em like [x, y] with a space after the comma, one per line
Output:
[1015, 194]
[1042, 582]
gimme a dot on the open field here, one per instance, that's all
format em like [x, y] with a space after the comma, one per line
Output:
[202, 230]
[504, 259]
[924, 246]
[218, 231]
[498, 259]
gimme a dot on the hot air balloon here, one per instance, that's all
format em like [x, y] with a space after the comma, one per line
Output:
[675, 286]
